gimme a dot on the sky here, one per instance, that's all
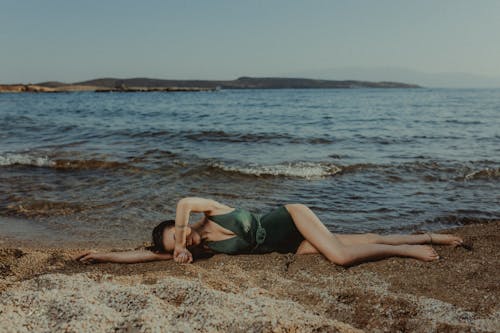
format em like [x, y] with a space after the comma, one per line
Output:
[72, 41]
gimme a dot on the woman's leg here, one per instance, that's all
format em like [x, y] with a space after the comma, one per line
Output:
[337, 252]
[425, 238]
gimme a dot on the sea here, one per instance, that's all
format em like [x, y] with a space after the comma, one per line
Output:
[105, 168]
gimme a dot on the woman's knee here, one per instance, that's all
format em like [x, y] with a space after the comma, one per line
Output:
[340, 258]
[296, 207]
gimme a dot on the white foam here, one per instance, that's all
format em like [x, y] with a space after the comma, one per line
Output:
[306, 170]
[25, 159]
[484, 173]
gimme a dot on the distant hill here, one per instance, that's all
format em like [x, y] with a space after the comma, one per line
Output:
[401, 74]
[148, 85]
[53, 84]
[243, 83]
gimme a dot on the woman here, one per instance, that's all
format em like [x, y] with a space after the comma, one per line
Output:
[290, 228]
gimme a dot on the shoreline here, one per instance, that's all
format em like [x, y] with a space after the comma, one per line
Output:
[153, 85]
[44, 289]
[34, 88]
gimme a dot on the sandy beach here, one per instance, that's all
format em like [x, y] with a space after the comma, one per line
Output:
[377, 116]
[43, 290]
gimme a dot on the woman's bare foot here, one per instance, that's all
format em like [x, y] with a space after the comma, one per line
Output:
[445, 239]
[421, 252]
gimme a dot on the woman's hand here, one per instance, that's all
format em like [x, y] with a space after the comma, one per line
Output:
[91, 257]
[182, 255]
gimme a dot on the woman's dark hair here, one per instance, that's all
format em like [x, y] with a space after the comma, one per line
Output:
[157, 236]
[198, 252]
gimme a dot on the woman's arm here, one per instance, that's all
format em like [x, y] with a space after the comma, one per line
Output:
[126, 257]
[184, 207]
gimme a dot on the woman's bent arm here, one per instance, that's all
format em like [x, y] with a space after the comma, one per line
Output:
[126, 257]
[184, 208]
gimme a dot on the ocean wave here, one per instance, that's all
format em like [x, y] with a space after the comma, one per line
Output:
[487, 173]
[89, 164]
[427, 170]
[462, 171]
[25, 159]
[60, 164]
[222, 136]
[463, 122]
[12, 120]
[217, 136]
[457, 171]
[443, 222]
[148, 134]
[400, 140]
[40, 208]
[464, 218]
[306, 170]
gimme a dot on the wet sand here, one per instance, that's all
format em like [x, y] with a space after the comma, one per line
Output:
[43, 290]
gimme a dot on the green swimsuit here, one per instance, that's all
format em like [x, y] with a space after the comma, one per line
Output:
[273, 232]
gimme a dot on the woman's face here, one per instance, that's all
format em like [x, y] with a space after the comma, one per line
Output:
[192, 238]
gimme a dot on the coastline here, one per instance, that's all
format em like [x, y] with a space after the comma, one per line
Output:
[37, 88]
[43, 289]
[160, 85]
